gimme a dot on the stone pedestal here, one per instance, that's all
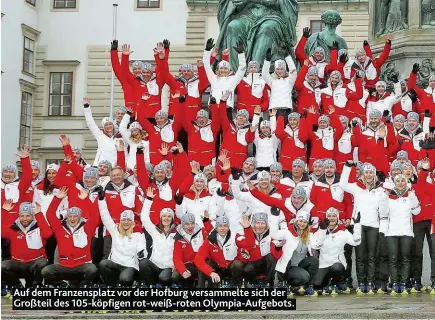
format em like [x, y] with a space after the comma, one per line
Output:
[416, 44]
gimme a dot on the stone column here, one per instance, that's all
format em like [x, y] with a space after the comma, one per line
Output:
[414, 14]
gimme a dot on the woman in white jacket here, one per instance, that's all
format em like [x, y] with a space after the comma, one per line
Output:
[106, 138]
[222, 81]
[330, 239]
[266, 142]
[402, 205]
[134, 136]
[296, 265]
[128, 247]
[371, 200]
[158, 267]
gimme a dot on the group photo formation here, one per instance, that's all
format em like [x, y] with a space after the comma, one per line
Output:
[280, 153]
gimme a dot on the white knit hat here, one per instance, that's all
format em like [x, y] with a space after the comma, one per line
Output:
[127, 214]
[303, 216]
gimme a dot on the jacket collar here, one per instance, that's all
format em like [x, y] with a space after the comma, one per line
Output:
[322, 179]
[212, 237]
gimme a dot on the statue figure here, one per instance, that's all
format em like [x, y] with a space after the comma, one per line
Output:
[261, 24]
[325, 38]
[393, 16]
[428, 13]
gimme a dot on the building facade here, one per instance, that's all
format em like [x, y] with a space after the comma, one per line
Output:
[70, 58]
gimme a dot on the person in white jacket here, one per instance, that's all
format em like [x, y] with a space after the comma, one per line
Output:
[222, 81]
[402, 205]
[296, 265]
[134, 137]
[331, 239]
[128, 247]
[381, 100]
[266, 142]
[106, 138]
[281, 82]
[371, 200]
[158, 267]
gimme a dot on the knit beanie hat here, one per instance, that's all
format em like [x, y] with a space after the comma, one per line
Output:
[294, 115]
[243, 113]
[202, 113]
[324, 118]
[186, 67]
[299, 191]
[127, 214]
[135, 125]
[303, 216]
[35, 164]
[368, 167]
[280, 64]
[263, 175]
[253, 64]
[222, 220]
[333, 211]
[26, 208]
[200, 176]
[276, 166]
[399, 117]
[360, 52]
[147, 66]
[341, 52]
[90, 172]
[298, 163]
[53, 167]
[412, 115]
[375, 113]
[167, 211]
[251, 160]
[224, 64]
[73, 210]
[319, 50]
[186, 218]
[161, 114]
[329, 162]
[402, 154]
[259, 216]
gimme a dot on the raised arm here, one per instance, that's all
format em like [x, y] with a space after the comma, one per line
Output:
[106, 218]
[344, 180]
[240, 71]
[125, 133]
[212, 78]
[300, 48]
[383, 57]
[265, 73]
[145, 218]
[26, 177]
[270, 201]
[292, 74]
[96, 132]
[238, 194]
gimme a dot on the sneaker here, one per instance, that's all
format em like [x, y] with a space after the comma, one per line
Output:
[417, 287]
[334, 291]
[370, 288]
[432, 289]
[403, 289]
[5, 290]
[382, 289]
[301, 290]
[326, 291]
[311, 292]
[395, 289]
[361, 288]
[343, 288]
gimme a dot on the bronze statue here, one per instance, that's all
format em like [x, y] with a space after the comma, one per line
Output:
[261, 24]
[428, 13]
[393, 16]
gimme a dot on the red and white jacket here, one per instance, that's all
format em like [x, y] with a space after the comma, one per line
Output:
[252, 91]
[426, 96]
[28, 244]
[257, 246]
[291, 147]
[307, 95]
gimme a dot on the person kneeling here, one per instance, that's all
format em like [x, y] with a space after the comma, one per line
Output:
[73, 236]
[188, 240]
[216, 257]
[27, 236]
[127, 247]
[256, 243]
[330, 239]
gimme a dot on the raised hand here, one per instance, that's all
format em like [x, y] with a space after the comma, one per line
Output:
[8, 205]
[36, 208]
[239, 47]
[226, 52]
[245, 222]
[126, 49]
[114, 45]
[257, 109]
[331, 109]
[343, 58]
[334, 45]
[225, 95]
[312, 110]
[164, 149]
[223, 155]
[166, 44]
[306, 32]
[150, 192]
[64, 140]
[268, 54]
[226, 164]
[425, 163]
[195, 167]
[146, 96]
[83, 194]
[199, 63]
[86, 102]
[215, 277]
[63, 192]
[101, 192]
[389, 37]
[324, 225]
[415, 68]
[214, 52]
[179, 147]
[209, 45]
[23, 152]
[382, 131]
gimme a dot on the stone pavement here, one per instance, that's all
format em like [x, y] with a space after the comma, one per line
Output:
[413, 306]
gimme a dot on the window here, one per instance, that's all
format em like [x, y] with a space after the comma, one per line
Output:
[316, 26]
[26, 113]
[32, 2]
[64, 4]
[60, 94]
[148, 3]
[29, 55]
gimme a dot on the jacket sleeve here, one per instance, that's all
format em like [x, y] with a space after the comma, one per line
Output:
[412, 84]
[96, 132]
[106, 218]
[203, 80]
[265, 98]
[141, 172]
[299, 83]
[186, 185]
[265, 73]
[332, 65]
[300, 51]
[43, 226]
[162, 68]
[149, 128]
[177, 256]
[358, 93]
[212, 78]
[239, 195]
[355, 238]
[125, 133]
[384, 55]
[120, 160]
[125, 69]
[247, 240]
[225, 123]
[317, 239]
[270, 201]
[415, 204]
[292, 74]
[336, 124]
[344, 181]
[383, 205]
[201, 257]
[145, 219]
[26, 177]
[280, 133]
[52, 219]
[240, 71]
[116, 66]
[181, 162]
[215, 123]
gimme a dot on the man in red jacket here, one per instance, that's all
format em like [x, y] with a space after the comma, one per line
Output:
[426, 96]
[73, 236]
[255, 246]
[188, 240]
[217, 256]
[27, 236]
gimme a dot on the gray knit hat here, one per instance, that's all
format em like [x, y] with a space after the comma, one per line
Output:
[186, 218]
[222, 220]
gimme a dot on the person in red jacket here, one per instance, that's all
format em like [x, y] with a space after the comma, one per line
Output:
[426, 96]
[344, 66]
[291, 147]
[217, 257]
[308, 87]
[237, 135]
[317, 59]
[73, 237]
[187, 241]
[147, 86]
[252, 91]
[202, 135]
[365, 61]
[325, 138]
[256, 247]
[27, 236]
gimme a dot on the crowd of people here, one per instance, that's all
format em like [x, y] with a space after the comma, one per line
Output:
[274, 182]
